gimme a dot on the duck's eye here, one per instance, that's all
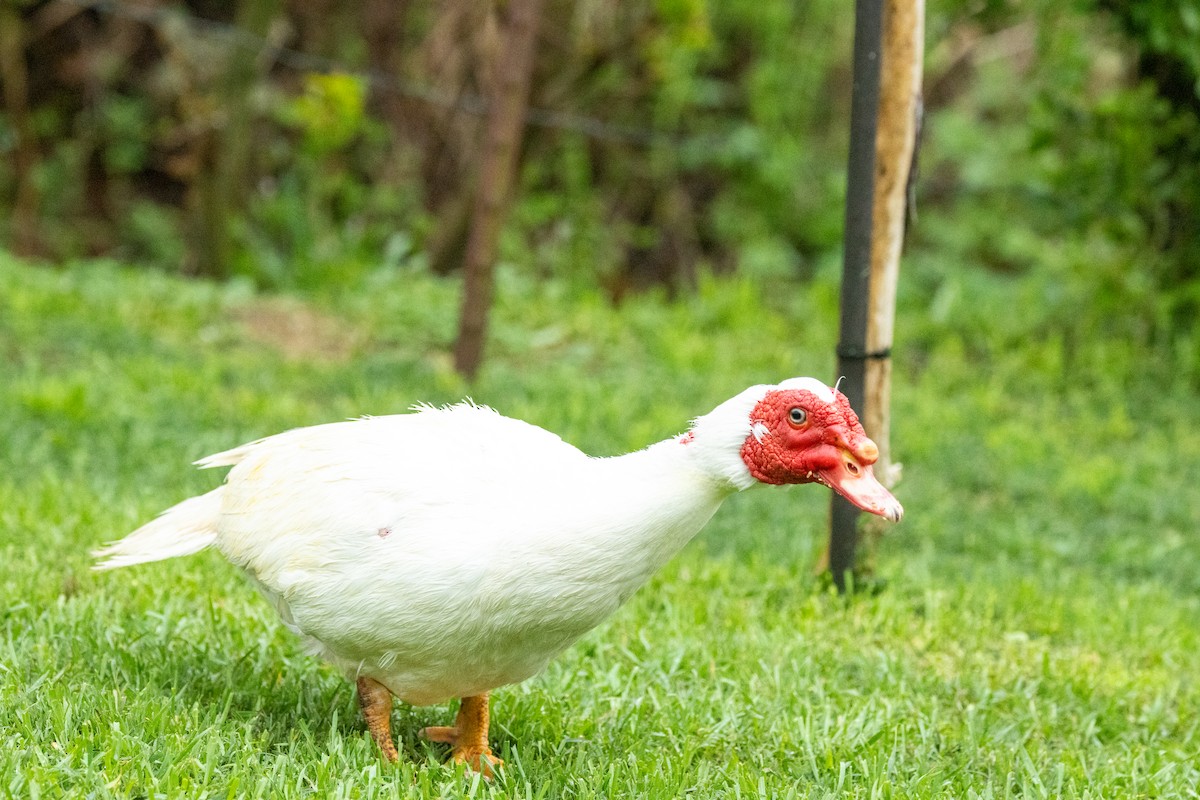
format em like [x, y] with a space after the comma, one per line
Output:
[797, 416]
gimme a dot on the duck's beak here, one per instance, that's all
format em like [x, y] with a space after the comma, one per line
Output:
[852, 477]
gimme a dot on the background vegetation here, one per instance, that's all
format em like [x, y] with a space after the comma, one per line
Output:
[305, 144]
[225, 237]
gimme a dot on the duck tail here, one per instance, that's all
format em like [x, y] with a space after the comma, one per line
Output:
[181, 530]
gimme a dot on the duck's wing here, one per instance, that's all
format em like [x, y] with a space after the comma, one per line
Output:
[329, 493]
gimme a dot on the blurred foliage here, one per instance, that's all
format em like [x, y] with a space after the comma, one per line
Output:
[330, 113]
[674, 138]
[1071, 167]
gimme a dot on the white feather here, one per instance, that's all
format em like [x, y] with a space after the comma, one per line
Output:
[181, 530]
[810, 385]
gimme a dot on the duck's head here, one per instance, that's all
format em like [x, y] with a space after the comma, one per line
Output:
[798, 431]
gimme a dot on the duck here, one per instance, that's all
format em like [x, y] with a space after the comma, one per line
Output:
[445, 552]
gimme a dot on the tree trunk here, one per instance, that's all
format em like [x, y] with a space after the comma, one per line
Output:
[507, 99]
[14, 80]
[384, 23]
[217, 194]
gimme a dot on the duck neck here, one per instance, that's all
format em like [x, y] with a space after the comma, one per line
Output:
[645, 506]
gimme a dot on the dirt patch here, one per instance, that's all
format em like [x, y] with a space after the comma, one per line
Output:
[298, 331]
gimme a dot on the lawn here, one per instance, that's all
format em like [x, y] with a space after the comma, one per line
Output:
[1035, 634]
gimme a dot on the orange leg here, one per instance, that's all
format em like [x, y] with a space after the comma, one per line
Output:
[376, 703]
[468, 736]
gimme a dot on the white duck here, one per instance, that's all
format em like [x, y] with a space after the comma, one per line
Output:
[447, 552]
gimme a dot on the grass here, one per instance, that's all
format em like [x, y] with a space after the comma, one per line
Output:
[1037, 635]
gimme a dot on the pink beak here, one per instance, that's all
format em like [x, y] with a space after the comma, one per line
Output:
[854, 480]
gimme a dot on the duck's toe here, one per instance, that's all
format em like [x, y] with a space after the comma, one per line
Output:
[478, 759]
[443, 734]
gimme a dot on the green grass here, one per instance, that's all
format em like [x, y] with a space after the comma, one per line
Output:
[1037, 635]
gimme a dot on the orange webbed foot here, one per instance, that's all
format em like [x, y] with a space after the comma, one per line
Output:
[468, 737]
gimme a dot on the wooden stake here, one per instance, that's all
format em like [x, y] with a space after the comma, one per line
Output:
[895, 145]
[864, 104]
[888, 49]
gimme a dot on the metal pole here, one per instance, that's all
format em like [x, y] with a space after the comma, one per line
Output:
[856, 266]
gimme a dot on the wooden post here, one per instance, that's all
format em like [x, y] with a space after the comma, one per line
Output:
[856, 264]
[505, 122]
[895, 147]
[888, 48]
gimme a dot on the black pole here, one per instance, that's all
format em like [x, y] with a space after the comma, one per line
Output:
[856, 266]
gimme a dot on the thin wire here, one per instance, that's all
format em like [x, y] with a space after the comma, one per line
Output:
[470, 103]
